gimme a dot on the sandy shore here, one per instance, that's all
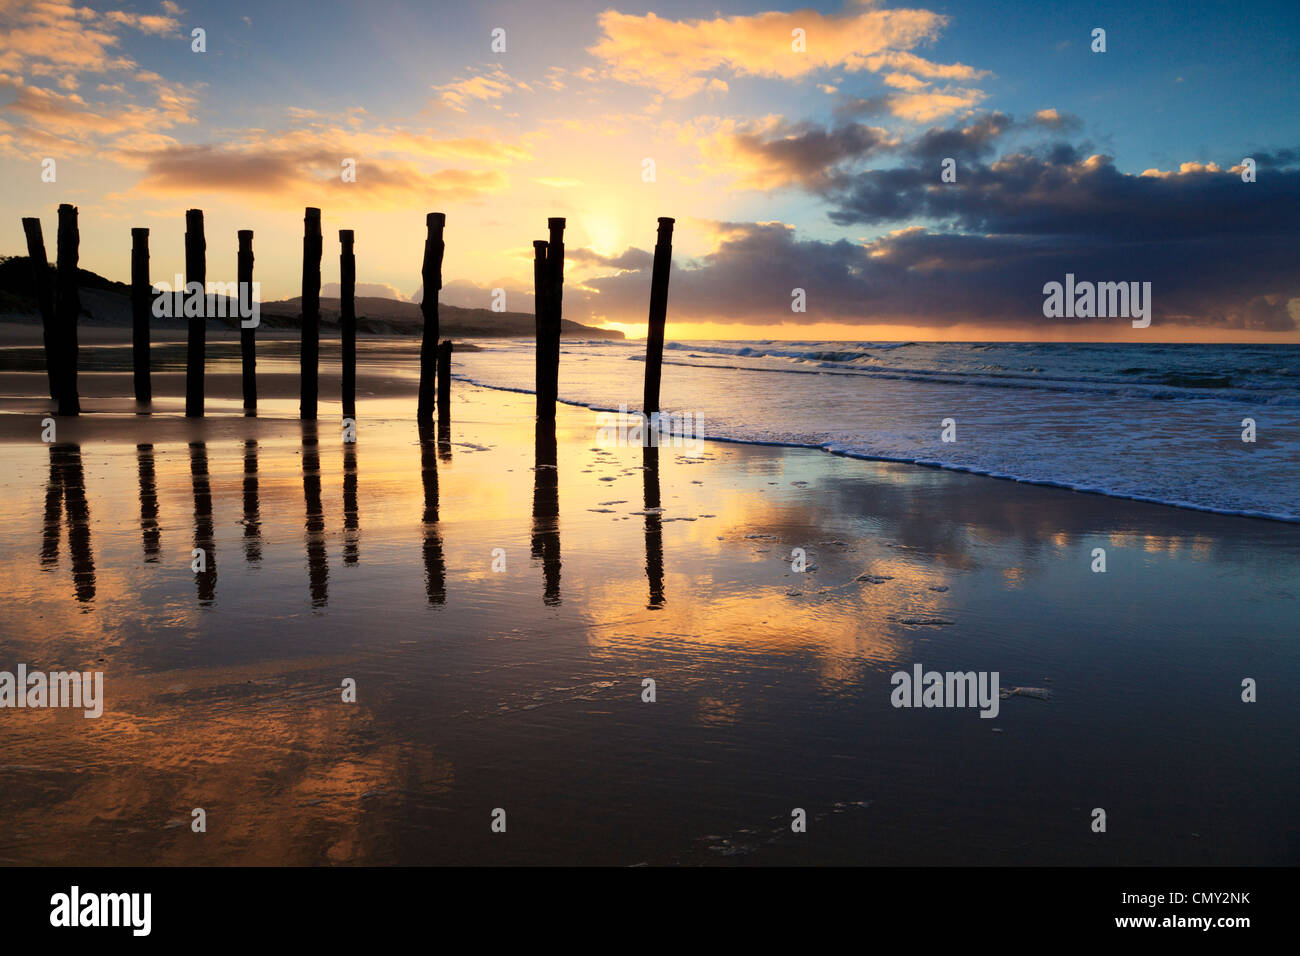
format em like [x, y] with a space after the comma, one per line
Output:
[499, 616]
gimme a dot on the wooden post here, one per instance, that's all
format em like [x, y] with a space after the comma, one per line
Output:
[541, 310]
[44, 300]
[67, 307]
[654, 346]
[311, 254]
[444, 382]
[196, 271]
[554, 302]
[141, 303]
[348, 320]
[247, 335]
[432, 275]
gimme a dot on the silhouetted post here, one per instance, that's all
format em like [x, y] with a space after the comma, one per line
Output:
[67, 307]
[554, 303]
[44, 300]
[432, 275]
[444, 382]
[654, 345]
[196, 271]
[541, 310]
[141, 302]
[348, 321]
[247, 336]
[311, 253]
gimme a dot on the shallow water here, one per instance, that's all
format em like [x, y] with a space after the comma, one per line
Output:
[521, 688]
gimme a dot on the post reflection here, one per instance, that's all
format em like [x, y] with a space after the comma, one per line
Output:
[654, 527]
[351, 517]
[444, 440]
[252, 508]
[150, 533]
[318, 570]
[65, 498]
[435, 568]
[546, 509]
[205, 579]
[53, 514]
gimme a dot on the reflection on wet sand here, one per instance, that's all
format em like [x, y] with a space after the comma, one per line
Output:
[150, 533]
[65, 495]
[205, 580]
[546, 509]
[654, 527]
[53, 515]
[435, 570]
[351, 518]
[318, 569]
[252, 511]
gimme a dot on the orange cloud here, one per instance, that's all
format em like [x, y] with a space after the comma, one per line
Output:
[675, 56]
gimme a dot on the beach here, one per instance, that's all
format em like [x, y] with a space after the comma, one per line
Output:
[500, 601]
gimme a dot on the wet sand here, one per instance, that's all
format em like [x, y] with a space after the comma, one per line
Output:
[521, 688]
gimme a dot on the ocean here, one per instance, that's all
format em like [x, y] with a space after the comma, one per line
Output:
[1161, 423]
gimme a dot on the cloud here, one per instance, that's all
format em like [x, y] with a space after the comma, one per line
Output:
[379, 290]
[490, 85]
[291, 174]
[678, 57]
[773, 152]
[1218, 252]
[156, 25]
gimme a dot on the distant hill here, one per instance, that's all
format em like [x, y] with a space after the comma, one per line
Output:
[390, 317]
[104, 302]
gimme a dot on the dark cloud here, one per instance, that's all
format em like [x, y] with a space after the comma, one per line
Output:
[632, 258]
[970, 142]
[1060, 194]
[922, 277]
[805, 153]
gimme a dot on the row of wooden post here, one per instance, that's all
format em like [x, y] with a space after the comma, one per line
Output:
[59, 308]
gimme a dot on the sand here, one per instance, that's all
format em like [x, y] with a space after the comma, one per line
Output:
[500, 608]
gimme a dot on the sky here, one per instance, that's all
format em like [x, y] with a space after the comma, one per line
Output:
[798, 148]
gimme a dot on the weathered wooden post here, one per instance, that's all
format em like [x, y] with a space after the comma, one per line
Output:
[654, 346]
[141, 305]
[196, 271]
[311, 254]
[444, 382]
[44, 300]
[348, 321]
[554, 302]
[431, 273]
[66, 309]
[247, 334]
[541, 310]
